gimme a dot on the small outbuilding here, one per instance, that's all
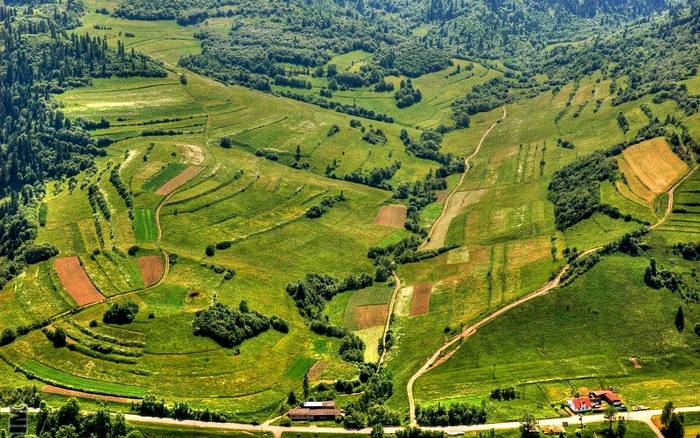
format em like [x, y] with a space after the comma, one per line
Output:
[607, 396]
[315, 411]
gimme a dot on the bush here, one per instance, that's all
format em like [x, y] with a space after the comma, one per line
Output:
[279, 324]
[39, 253]
[225, 142]
[121, 313]
[133, 250]
[210, 251]
[8, 336]
[230, 327]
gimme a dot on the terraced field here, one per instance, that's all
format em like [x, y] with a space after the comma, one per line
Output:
[202, 223]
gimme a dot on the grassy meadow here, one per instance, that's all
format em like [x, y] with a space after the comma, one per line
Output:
[506, 245]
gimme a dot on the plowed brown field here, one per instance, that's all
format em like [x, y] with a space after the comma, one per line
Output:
[420, 304]
[76, 281]
[179, 180]
[151, 269]
[391, 216]
[371, 315]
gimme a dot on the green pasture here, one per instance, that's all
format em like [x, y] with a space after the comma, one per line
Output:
[578, 336]
[145, 227]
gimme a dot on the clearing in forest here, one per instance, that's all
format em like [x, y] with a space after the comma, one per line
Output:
[420, 304]
[651, 168]
[180, 180]
[371, 315]
[151, 269]
[391, 216]
[76, 281]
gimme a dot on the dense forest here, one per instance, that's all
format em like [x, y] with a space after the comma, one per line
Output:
[37, 142]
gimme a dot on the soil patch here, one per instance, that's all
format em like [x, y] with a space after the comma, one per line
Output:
[456, 204]
[193, 154]
[371, 315]
[391, 216]
[442, 195]
[151, 269]
[635, 362]
[420, 304]
[50, 389]
[180, 180]
[76, 281]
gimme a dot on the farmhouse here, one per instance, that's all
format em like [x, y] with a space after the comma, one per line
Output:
[315, 411]
[580, 404]
[607, 396]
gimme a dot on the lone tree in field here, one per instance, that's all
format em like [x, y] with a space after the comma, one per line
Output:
[305, 386]
[680, 320]
[672, 422]
[609, 415]
[529, 428]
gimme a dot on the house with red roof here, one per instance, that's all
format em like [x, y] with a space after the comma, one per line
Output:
[580, 405]
[607, 396]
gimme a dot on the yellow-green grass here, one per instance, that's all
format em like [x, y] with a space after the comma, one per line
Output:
[683, 225]
[50, 374]
[439, 91]
[145, 227]
[33, 296]
[509, 232]
[578, 336]
[651, 168]
[164, 175]
[177, 431]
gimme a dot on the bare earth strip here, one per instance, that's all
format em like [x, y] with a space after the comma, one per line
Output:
[420, 304]
[436, 237]
[76, 281]
[50, 389]
[371, 315]
[179, 180]
[391, 216]
[151, 269]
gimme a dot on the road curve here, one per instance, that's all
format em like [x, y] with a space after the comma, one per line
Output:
[669, 207]
[467, 166]
[441, 355]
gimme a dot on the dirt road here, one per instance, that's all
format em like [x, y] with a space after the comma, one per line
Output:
[442, 354]
[392, 302]
[436, 236]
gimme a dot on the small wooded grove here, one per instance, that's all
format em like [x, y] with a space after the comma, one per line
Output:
[455, 414]
[230, 327]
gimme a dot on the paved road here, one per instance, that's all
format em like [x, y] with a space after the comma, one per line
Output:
[642, 416]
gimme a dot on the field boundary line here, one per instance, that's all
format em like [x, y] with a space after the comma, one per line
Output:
[441, 355]
[392, 302]
[468, 166]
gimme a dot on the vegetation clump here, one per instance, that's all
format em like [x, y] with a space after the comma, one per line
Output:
[230, 327]
[121, 313]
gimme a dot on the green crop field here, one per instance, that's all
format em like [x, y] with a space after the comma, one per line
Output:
[297, 123]
[145, 228]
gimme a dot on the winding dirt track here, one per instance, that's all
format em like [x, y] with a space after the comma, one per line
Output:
[442, 354]
[436, 236]
[392, 302]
